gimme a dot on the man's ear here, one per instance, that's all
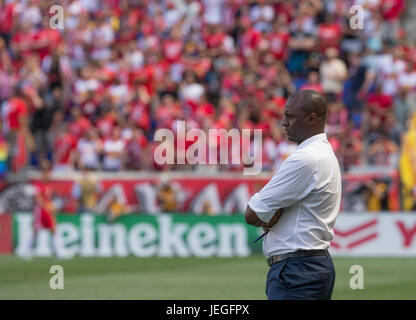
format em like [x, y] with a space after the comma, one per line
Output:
[312, 118]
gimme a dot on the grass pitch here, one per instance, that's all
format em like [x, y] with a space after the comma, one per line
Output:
[190, 278]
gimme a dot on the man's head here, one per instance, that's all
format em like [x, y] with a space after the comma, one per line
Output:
[305, 115]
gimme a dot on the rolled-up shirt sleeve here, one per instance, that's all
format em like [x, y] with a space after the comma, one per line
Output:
[295, 179]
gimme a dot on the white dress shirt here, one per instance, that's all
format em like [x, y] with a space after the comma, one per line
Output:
[308, 188]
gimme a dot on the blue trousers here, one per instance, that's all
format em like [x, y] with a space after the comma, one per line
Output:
[302, 278]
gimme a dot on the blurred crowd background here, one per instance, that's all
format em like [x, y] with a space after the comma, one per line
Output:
[91, 95]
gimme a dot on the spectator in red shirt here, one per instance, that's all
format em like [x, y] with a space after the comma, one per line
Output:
[379, 104]
[14, 113]
[167, 111]
[44, 208]
[391, 9]
[204, 109]
[337, 118]
[23, 40]
[279, 40]
[6, 20]
[351, 149]
[79, 124]
[137, 157]
[173, 46]
[313, 82]
[250, 39]
[381, 150]
[14, 116]
[329, 34]
[64, 146]
[106, 123]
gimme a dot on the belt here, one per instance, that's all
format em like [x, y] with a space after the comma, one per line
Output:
[296, 254]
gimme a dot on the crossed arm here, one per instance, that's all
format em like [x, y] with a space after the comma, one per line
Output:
[252, 218]
[294, 181]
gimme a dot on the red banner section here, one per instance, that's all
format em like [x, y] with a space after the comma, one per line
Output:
[6, 239]
[214, 194]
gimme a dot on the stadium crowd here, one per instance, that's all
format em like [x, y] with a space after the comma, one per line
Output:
[90, 96]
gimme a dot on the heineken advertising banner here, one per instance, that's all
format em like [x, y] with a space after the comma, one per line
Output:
[180, 235]
[138, 235]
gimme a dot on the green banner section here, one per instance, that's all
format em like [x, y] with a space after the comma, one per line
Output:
[166, 235]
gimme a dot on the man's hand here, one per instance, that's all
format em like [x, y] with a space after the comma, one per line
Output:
[252, 219]
[273, 220]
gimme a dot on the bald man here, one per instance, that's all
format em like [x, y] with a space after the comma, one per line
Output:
[299, 205]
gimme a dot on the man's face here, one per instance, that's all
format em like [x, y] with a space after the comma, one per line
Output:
[296, 123]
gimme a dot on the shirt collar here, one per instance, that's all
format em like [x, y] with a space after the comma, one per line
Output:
[316, 137]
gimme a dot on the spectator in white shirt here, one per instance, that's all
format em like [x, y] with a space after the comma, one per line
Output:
[191, 90]
[113, 150]
[88, 150]
[333, 72]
